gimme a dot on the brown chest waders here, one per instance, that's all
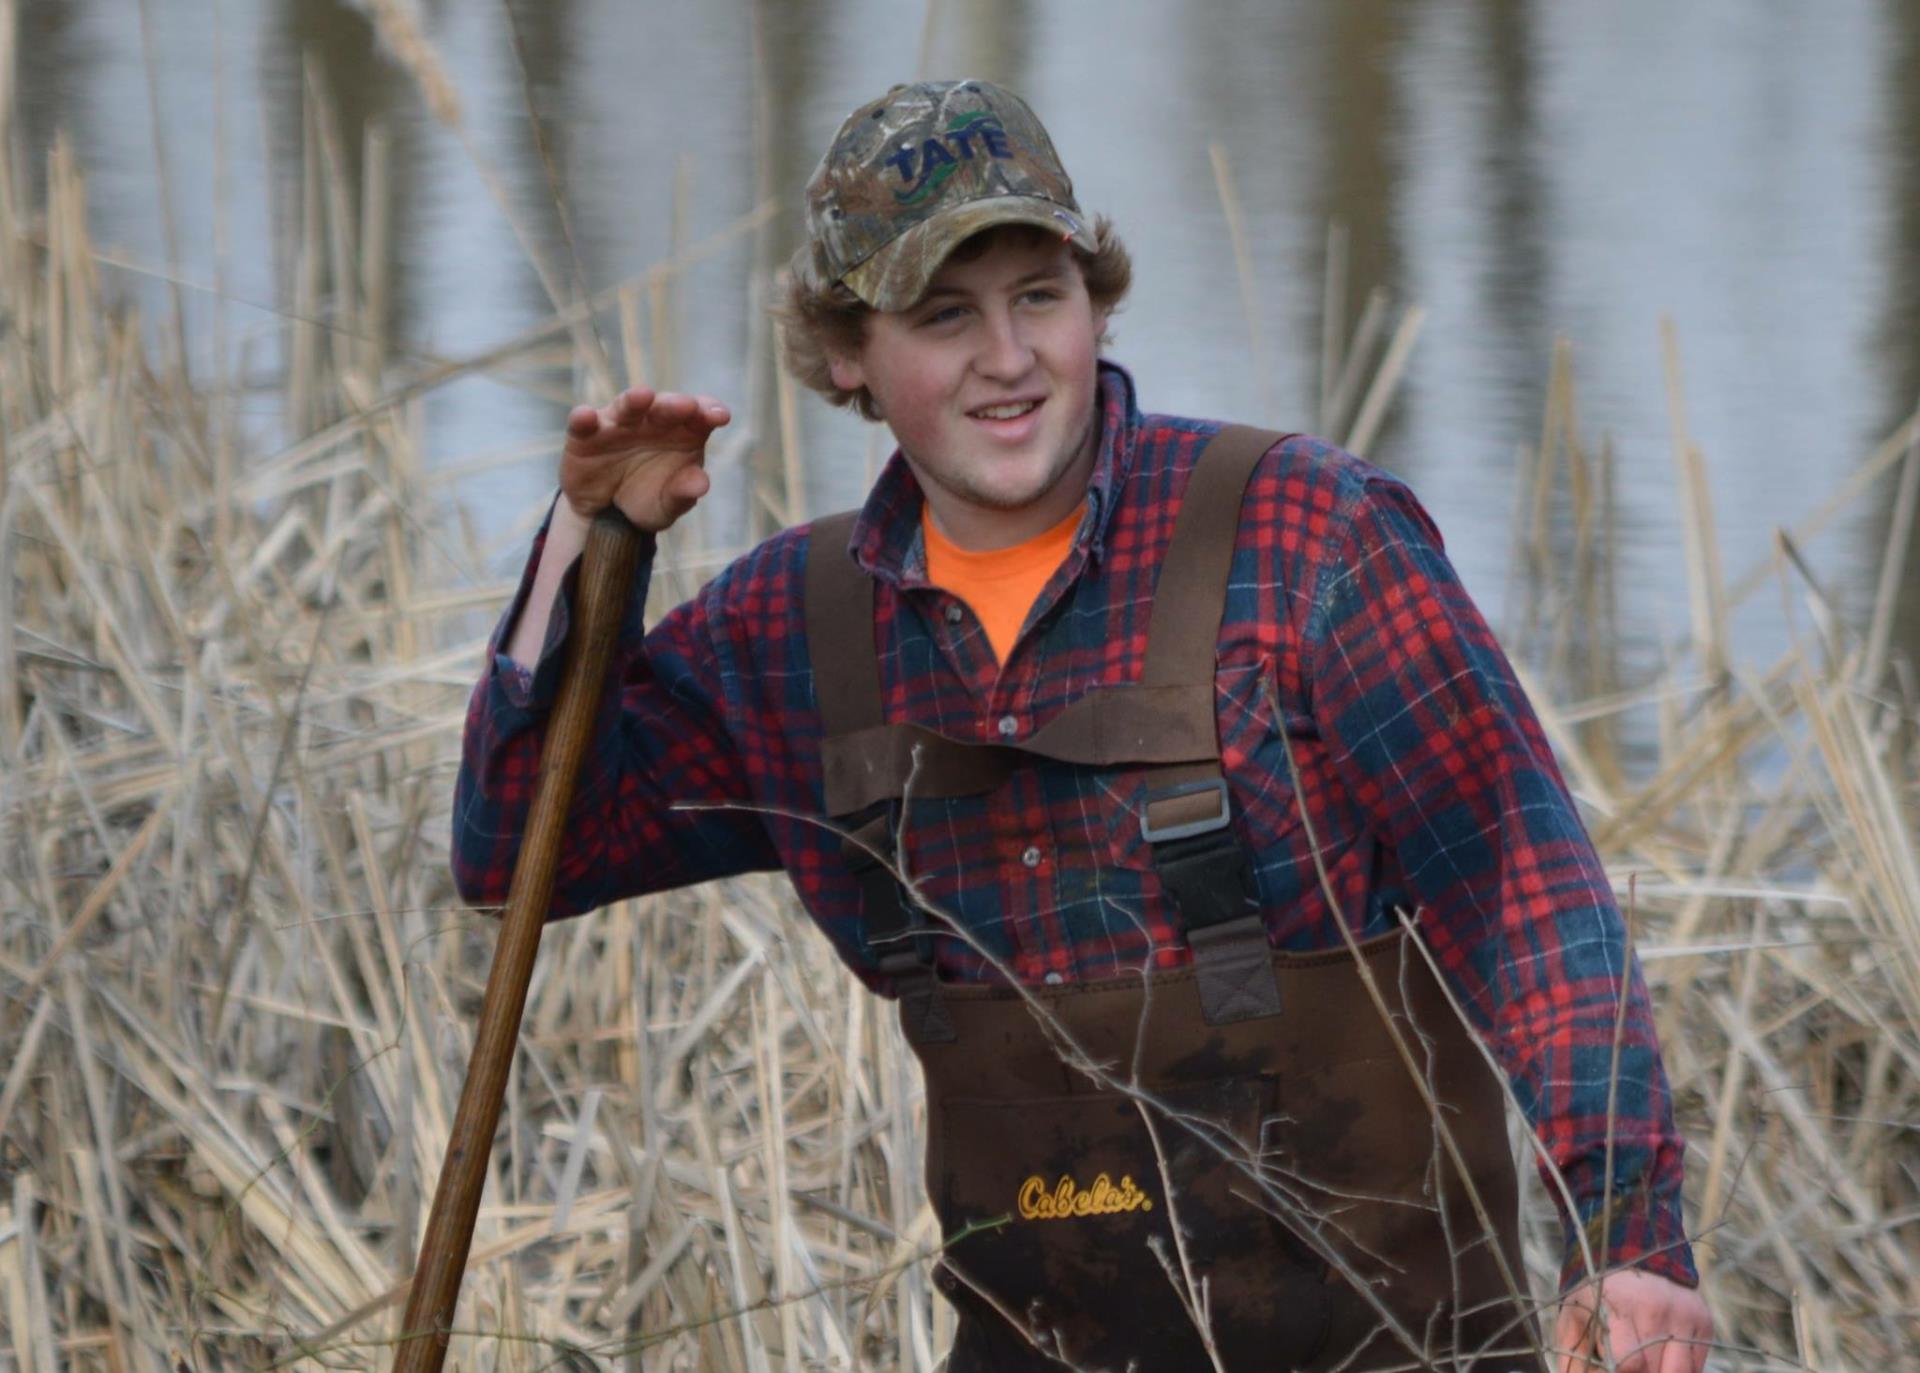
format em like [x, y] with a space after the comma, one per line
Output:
[1254, 1099]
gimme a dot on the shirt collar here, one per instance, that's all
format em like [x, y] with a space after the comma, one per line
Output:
[887, 542]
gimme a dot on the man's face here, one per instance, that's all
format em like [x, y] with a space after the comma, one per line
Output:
[988, 385]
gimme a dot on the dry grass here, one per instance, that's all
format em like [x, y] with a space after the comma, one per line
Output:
[235, 990]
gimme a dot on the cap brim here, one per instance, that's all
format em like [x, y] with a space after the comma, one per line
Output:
[897, 276]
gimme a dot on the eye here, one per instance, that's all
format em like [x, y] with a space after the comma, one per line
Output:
[1043, 295]
[946, 314]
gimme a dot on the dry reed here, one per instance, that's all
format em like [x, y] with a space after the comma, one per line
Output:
[236, 991]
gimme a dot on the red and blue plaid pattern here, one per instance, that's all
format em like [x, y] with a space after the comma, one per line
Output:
[1428, 780]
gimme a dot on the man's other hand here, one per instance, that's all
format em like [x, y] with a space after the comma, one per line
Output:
[643, 452]
[1649, 1324]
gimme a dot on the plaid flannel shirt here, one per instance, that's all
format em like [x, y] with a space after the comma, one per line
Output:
[1429, 783]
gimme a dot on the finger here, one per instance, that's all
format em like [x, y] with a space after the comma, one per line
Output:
[1684, 1356]
[630, 406]
[711, 410]
[1633, 1350]
[583, 422]
[1571, 1333]
[672, 405]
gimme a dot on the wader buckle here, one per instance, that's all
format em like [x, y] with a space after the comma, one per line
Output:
[1201, 862]
[898, 929]
[1183, 829]
[1203, 868]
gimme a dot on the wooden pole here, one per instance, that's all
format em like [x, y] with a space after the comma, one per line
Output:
[605, 575]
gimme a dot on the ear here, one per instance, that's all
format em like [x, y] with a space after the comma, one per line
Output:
[847, 373]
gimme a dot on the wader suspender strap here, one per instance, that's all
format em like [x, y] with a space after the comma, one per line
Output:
[1201, 863]
[846, 686]
[1165, 723]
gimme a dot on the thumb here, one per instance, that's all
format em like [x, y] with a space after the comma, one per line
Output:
[685, 489]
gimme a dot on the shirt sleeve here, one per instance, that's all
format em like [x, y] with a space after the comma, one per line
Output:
[661, 738]
[1429, 729]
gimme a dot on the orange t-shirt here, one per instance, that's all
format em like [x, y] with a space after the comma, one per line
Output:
[1000, 584]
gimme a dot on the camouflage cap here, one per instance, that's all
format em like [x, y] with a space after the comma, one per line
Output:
[913, 174]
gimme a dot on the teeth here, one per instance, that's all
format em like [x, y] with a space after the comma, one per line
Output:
[1005, 412]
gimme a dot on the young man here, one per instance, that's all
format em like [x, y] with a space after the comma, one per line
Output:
[1171, 723]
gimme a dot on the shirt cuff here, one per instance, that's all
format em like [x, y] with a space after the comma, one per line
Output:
[1643, 1222]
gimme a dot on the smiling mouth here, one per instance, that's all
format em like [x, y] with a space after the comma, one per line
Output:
[1013, 410]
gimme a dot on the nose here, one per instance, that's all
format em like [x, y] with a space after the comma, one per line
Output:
[1006, 354]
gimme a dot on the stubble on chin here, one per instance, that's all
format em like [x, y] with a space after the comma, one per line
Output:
[1080, 458]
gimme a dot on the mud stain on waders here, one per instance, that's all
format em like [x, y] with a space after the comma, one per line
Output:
[1320, 1214]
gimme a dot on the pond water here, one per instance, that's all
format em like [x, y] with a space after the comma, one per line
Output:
[1521, 172]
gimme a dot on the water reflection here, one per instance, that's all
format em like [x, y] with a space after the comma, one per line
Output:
[993, 40]
[1510, 188]
[1524, 171]
[1358, 118]
[1898, 336]
[357, 94]
[49, 42]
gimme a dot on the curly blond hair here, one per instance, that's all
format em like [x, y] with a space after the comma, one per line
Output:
[818, 323]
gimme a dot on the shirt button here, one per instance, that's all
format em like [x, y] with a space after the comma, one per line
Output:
[1008, 727]
[1053, 979]
[953, 614]
[1031, 857]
